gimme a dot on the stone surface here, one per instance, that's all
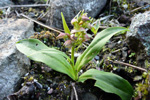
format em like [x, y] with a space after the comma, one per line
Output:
[5, 3]
[89, 96]
[138, 38]
[148, 1]
[70, 8]
[13, 64]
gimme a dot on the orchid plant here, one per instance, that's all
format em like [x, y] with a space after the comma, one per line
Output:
[59, 61]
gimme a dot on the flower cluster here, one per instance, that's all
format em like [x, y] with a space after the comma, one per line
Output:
[78, 34]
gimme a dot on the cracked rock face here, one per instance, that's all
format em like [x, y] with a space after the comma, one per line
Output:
[138, 38]
[13, 64]
[70, 8]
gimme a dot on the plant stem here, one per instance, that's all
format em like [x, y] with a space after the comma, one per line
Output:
[72, 59]
[72, 55]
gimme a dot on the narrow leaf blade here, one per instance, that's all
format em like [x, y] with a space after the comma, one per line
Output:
[66, 29]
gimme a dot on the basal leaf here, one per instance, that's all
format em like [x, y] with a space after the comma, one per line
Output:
[109, 82]
[66, 29]
[96, 45]
[38, 51]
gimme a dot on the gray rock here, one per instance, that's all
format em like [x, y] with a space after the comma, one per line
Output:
[70, 8]
[5, 3]
[138, 38]
[148, 1]
[13, 64]
[89, 96]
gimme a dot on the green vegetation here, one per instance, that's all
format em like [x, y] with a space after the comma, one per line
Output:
[59, 61]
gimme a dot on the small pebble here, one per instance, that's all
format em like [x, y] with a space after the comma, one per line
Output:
[48, 88]
[28, 83]
[124, 48]
[32, 72]
[26, 74]
[64, 86]
[97, 57]
[38, 85]
[50, 91]
[81, 71]
[31, 14]
[119, 42]
[35, 80]
[22, 84]
[50, 81]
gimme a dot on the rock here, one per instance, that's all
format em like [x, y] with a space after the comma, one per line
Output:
[71, 8]
[89, 96]
[96, 57]
[38, 85]
[31, 14]
[50, 91]
[29, 1]
[26, 92]
[138, 38]
[124, 55]
[111, 45]
[148, 1]
[5, 3]
[13, 64]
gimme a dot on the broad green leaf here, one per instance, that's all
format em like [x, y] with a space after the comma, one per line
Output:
[66, 29]
[96, 45]
[38, 51]
[109, 82]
